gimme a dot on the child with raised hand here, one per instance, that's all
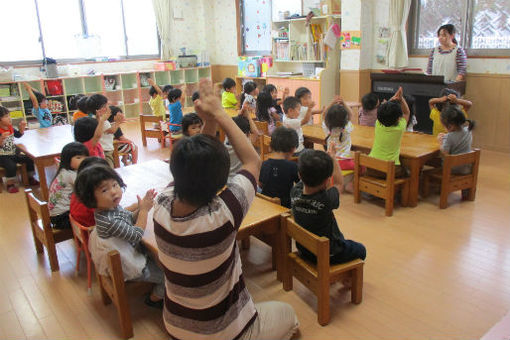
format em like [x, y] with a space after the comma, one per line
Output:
[88, 131]
[307, 104]
[266, 111]
[313, 202]
[250, 92]
[392, 118]
[278, 174]
[39, 107]
[9, 153]
[228, 97]
[446, 97]
[62, 185]
[277, 102]
[99, 187]
[156, 102]
[293, 120]
[175, 108]
[339, 127]
[367, 113]
[125, 145]
[191, 124]
[193, 212]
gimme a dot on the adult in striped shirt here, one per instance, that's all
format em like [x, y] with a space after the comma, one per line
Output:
[447, 59]
[196, 227]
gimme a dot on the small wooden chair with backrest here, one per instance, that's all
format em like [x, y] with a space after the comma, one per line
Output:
[265, 147]
[262, 127]
[21, 169]
[171, 136]
[452, 182]
[383, 188]
[81, 240]
[316, 276]
[43, 233]
[152, 132]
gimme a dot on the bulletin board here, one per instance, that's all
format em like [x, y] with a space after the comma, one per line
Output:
[257, 25]
[350, 40]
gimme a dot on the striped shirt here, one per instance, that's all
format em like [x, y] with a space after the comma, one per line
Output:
[460, 58]
[206, 297]
[118, 223]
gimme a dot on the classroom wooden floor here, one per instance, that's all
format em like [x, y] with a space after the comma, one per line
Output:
[429, 274]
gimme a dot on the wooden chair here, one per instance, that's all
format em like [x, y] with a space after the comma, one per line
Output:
[152, 132]
[117, 155]
[317, 277]
[21, 170]
[262, 127]
[451, 182]
[81, 240]
[43, 233]
[171, 136]
[383, 188]
[265, 147]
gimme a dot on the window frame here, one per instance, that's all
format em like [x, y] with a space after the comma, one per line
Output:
[240, 38]
[465, 42]
[84, 27]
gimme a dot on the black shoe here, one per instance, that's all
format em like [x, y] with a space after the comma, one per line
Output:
[153, 304]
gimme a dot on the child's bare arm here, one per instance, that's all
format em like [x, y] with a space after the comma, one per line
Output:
[434, 101]
[144, 204]
[246, 112]
[210, 105]
[466, 104]
[32, 96]
[156, 87]
[338, 179]
[99, 129]
[399, 96]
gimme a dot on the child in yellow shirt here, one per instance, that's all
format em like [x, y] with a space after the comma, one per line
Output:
[446, 96]
[228, 97]
[156, 100]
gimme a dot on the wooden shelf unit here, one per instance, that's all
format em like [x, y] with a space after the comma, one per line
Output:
[130, 91]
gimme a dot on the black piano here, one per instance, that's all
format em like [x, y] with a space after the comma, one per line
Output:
[422, 87]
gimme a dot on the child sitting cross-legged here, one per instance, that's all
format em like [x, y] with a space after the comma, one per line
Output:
[99, 187]
[196, 219]
[313, 202]
[278, 174]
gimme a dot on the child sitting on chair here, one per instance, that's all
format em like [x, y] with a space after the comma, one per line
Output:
[367, 114]
[99, 187]
[191, 124]
[228, 97]
[175, 109]
[156, 102]
[446, 97]
[39, 107]
[293, 120]
[125, 146]
[313, 202]
[278, 174]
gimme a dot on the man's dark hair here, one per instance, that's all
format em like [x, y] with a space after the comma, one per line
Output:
[389, 113]
[200, 166]
[89, 179]
[314, 167]
[284, 139]
[290, 103]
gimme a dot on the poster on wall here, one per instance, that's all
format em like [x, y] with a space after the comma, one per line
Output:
[257, 28]
[350, 40]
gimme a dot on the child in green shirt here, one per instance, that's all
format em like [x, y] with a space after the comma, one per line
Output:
[228, 97]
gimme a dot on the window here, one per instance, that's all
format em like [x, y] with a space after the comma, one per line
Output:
[255, 27]
[483, 26]
[78, 29]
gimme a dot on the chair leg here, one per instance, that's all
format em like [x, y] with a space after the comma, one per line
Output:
[357, 285]
[52, 254]
[78, 250]
[404, 194]
[89, 273]
[24, 175]
[323, 314]
[471, 194]
[389, 202]
[426, 186]
[38, 244]
[104, 294]
[119, 295]
[287, 275]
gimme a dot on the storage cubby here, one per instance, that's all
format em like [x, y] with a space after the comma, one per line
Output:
[204, 72]
[130, 96]
[129, 81]
[93, 84]
[162, 78]
[191, 76]
[73, 85]
[143, 78]
[176, 77]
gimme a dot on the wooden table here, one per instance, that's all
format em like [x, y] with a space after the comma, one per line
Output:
[263, 217]
[42, 146]
[415, 150]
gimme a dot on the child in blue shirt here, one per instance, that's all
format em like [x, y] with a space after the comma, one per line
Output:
[40, 107]
[175, 108]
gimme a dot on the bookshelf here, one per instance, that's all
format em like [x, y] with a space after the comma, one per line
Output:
[129, 91]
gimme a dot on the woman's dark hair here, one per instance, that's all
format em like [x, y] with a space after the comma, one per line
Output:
[190, 156]
[174, 94]
[264, 103]
[89, 179]
[95, 102]
[114, 110]
[84, 129]
[73, 102]
[68, 152]
[369, 101]
[248, 88]
[284, 140]
[269, 88]
[450, 29]
[91, 161]
[453, 115]
[167, 88]
[336, 116]
[314, 167]
[228, 83]
[39, 96]
[3, 111]
[301, 92]
[188, 120]
[389, 113]
[445, 92]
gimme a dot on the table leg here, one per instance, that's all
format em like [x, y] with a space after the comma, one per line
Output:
[414, 181]
[42, 179]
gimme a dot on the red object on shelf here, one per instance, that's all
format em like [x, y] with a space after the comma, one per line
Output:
[54, 87]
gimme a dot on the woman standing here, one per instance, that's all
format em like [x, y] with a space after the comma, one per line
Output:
[447, 59]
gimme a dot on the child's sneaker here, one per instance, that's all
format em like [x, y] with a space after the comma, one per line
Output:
[12, 188]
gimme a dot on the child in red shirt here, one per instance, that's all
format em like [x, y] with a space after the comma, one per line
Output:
[88, 131]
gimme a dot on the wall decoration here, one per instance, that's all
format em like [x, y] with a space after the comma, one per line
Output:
[257, 25]
[350, 40]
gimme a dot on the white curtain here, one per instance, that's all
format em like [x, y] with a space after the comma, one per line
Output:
[164, 15]
[396, 55]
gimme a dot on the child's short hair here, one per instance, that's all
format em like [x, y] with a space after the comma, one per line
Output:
[90, 178]
[369, 101]
[167, 88]
[389, 113]
[39, 96]
[314, 167]
[95, 102]
[190, 157]
[290, 103]
[188, 120]
[84, 129]
[228, 83]
[336, 116]
[174, 94]
[453, 115]
[444, 93]
[69, 151]
[152, 91]
[269, 88]
[284, 140]
[195, 96]
[243, 123]
[3, 111]
[91, 161]
[73, 102]
[114, 110]
[301, 92]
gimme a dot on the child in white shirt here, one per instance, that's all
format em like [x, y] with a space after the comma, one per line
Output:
[292, 119]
